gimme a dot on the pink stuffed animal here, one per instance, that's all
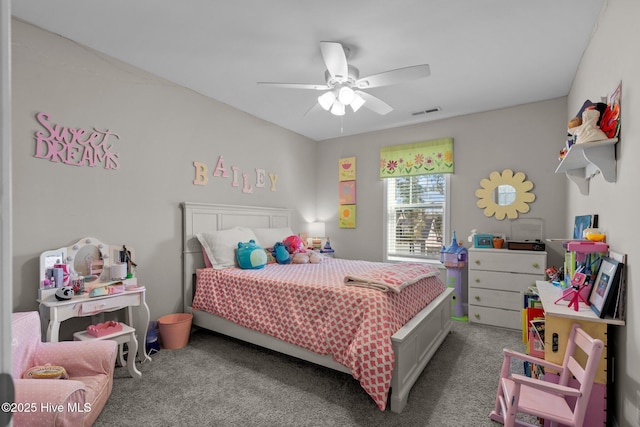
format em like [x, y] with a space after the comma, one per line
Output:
[294, 244]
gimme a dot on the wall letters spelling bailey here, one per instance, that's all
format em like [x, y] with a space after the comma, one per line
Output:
[202, 176]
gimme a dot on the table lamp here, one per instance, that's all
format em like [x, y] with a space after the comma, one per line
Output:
[316, 231]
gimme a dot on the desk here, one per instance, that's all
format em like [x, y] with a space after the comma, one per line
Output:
[558, 320]
[550, 293]
[54, 312]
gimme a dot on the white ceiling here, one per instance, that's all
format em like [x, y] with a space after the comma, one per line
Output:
[483, 54]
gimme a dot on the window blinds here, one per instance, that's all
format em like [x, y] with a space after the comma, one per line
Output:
[416, 208]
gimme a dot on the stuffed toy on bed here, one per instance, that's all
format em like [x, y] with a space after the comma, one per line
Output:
[250, 255]
[281, 253]
[294, 244]
[309, 257]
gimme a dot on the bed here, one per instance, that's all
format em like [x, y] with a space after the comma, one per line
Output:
[412, 345]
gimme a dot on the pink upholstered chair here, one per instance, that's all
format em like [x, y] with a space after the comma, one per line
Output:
[90, 367]
[556, 403]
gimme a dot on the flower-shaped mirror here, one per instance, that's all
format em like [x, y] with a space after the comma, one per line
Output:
[505, 194]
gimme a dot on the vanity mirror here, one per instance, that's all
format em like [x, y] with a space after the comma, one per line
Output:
[90, 258]
[505, 194]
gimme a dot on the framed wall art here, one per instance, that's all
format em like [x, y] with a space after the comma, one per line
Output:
[347, 192]
[581, 223]
[605, 288]
[347, 169]
[347, 216]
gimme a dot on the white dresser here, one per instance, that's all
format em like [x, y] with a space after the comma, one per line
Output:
[498, 279]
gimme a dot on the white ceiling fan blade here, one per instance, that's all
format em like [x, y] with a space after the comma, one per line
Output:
[375, 104]
[393, 77]
[335, 60]
[295, 85]
[314, 107]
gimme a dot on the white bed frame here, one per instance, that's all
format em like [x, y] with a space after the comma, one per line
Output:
[414, 344]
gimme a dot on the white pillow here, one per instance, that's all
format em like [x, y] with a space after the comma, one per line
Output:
[220, 246]
[267, 237]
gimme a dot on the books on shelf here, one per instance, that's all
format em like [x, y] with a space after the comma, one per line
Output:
[536, 338]
[532, 306]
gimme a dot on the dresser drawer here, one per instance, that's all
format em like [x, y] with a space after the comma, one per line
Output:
[495, 316]
[502, 281]
[109, 304]
[495, 299]
[508, 261]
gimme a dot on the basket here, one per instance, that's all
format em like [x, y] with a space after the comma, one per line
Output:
[175, 330]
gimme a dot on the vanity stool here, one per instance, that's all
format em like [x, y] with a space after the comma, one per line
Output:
[126, 335]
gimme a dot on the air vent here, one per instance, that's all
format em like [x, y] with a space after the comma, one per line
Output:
[427, 111]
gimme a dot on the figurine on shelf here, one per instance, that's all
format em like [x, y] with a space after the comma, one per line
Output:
[327, 245]
[125, 256]
[327, 248]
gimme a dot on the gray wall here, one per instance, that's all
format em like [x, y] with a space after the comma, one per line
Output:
[525, 138]
[163, 129]
[608, 61]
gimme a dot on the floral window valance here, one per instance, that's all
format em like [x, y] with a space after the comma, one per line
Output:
[420, 158]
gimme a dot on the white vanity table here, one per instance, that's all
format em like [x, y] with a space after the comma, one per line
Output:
[54, 312]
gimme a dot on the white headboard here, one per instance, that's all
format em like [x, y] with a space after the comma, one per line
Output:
[207, 217]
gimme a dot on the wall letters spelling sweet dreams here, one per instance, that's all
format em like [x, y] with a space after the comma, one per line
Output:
[77, 147]
[202, 177]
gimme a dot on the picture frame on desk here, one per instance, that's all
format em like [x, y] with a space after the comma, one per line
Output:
[605, 288]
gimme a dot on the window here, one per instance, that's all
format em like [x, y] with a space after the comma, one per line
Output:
[416, 216]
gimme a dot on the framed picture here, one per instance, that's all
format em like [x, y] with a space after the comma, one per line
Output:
[581, 223]
[347, 169]
[605, 288]
[347, 216]
[347, 192]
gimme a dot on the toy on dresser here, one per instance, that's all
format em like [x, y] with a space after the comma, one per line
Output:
[454, 259]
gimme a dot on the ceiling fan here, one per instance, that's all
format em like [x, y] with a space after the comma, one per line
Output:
[343, 82]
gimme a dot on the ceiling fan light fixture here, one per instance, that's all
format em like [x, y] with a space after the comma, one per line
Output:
[344, 86]
[357, 102]
[346, 95]
[337, 109]
[326, 100]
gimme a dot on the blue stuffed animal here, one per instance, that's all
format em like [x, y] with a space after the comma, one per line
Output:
[250, 255]
[281, 253]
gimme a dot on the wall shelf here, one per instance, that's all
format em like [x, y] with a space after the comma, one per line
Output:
[585, 160]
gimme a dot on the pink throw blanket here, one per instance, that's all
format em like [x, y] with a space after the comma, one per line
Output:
[391, 277]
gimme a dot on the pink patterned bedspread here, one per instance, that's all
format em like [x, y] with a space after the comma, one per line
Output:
[310, 306]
